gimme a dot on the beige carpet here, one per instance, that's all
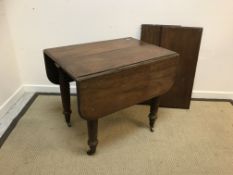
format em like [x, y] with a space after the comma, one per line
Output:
[196, 141]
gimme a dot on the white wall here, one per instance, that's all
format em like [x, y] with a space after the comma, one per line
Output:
[9, 76]
[38, 24]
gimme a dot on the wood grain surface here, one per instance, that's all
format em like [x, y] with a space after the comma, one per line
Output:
[109, 93]
[185, 41]
[93, 59]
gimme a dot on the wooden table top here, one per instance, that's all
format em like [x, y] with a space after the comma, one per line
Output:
[84, 61]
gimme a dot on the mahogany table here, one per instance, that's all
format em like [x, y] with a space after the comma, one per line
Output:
[110, 76]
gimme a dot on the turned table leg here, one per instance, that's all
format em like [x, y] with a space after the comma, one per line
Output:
[92, 136]
[65, 95]
[154, 105]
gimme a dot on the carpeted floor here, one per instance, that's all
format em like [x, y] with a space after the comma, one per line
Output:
[198, 141]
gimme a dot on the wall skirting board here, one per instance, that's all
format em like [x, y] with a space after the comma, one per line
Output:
[228, 95]
[47, 88]
[33, 88]
[195, 94]
[11, 100]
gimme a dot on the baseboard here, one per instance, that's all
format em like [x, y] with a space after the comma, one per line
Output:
[46, 88]
[4, 108]
[213, 94]
[195, 94]
[11, 118]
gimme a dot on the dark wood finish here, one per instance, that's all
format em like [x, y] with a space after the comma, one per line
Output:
[110, 76]
[185, 41]
[92, 126]
[65, 95]
[126, 87]
[154, 106]
[52, 70]
[95, 59]
[151, 34]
